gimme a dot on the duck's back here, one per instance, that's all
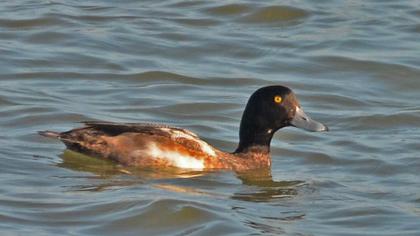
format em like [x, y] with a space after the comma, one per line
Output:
[141, 145]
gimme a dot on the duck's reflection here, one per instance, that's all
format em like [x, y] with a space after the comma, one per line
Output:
[79, 162]
[111, 175]
[257, 185]
[266, 189]
[107, 169]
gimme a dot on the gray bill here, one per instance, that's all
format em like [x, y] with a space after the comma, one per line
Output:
[303, 121]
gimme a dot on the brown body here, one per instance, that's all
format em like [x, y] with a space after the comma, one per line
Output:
[146, 145]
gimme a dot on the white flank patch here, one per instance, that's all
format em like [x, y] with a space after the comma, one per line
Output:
[175, 158]
[205, 147]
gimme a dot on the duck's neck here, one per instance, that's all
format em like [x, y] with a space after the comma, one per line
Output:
[252, 137]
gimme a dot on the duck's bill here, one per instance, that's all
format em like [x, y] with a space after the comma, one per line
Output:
[303, 121]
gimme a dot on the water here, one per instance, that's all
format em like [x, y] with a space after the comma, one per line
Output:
[193, 64]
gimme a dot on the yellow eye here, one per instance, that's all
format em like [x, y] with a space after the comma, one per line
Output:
[277, 99]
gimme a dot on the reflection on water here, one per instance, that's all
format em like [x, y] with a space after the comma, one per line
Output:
[354, 65]
[264, 188]
[80, 162]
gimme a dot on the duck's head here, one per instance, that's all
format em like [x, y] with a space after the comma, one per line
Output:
[268, 110]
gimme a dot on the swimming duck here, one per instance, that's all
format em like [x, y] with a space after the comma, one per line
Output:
[151, 145]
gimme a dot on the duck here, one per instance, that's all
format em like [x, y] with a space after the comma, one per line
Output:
[148, 145]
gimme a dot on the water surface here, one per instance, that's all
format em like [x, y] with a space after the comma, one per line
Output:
[193, 64]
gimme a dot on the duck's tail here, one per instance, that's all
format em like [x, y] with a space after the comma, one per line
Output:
[49, 134]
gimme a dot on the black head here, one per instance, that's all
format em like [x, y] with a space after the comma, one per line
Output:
[268, 110]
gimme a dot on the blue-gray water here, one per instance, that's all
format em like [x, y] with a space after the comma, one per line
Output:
[355, 65]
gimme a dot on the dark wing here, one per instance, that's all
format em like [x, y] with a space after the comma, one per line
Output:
[181, 136]
[113, 129]
[91, 133]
